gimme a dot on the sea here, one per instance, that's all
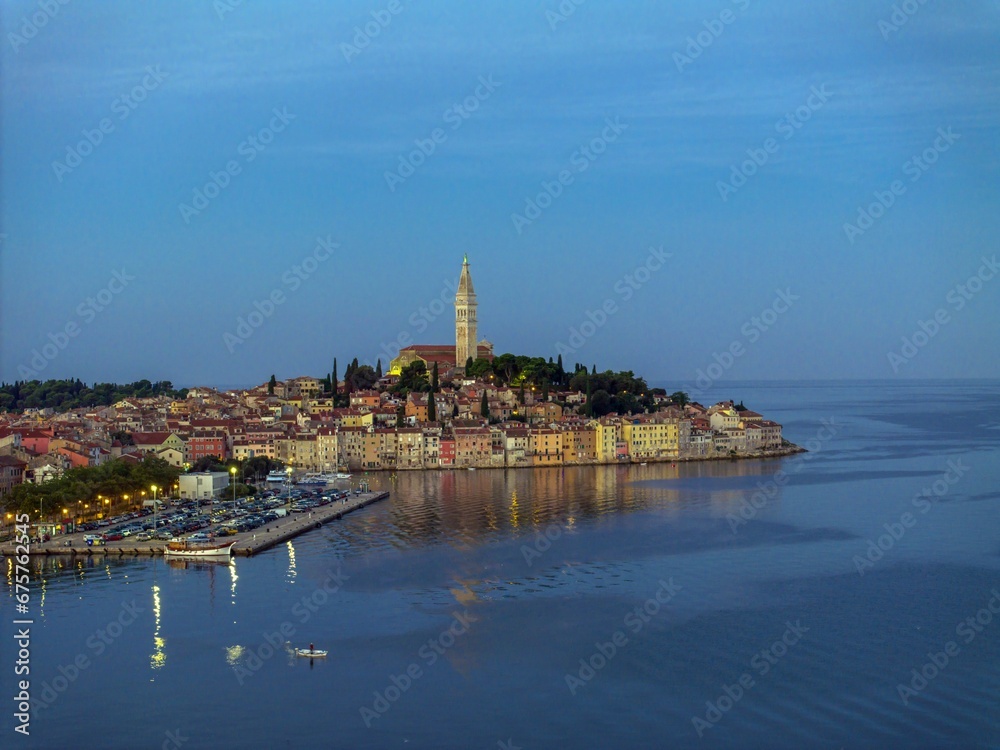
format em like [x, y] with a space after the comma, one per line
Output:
[848, 597]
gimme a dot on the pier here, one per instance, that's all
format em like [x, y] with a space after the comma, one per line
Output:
[248, 543]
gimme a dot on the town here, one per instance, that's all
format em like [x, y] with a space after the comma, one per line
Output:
[436, 407]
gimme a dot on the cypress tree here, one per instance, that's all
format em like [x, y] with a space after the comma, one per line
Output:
[434, 379]
[378, 369]
[431, 408]
[484, 407]
[270, 385]
[333, 379]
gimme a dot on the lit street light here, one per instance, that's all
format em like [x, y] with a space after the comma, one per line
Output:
[232, 474]
[154, 488]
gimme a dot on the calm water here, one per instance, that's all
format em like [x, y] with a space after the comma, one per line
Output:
[454, 624]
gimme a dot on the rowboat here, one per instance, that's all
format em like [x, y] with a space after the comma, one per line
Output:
[198, 550]
[314, 654]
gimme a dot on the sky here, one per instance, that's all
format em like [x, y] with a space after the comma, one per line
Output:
[212, 192]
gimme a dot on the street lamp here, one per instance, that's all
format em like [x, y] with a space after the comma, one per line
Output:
[288, 486]
[154, 488]
[232, 474]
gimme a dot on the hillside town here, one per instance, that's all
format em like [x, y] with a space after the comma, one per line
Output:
[437, 407]
[379, 430]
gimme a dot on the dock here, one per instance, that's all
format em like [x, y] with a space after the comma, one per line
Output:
[248, 543]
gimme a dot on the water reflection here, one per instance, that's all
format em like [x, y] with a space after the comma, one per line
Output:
[459, 508]
[292, 572]
[159, 656]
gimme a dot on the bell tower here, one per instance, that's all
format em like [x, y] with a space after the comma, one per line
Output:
[465, 317]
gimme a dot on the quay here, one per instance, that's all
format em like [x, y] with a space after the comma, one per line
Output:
[248, 543]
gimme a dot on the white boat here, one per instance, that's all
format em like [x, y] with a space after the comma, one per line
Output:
[312, 654]
[342, 475]
[198, 550]
[277, 476]
[472, 468]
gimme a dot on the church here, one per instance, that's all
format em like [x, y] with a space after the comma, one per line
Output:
[451, 357]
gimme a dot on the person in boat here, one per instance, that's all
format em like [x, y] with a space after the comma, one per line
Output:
[311, 648]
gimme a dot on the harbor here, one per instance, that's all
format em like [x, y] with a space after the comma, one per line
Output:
[246, 544]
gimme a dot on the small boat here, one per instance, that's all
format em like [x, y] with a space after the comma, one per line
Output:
[316, 653]
[277, 476]
[472, 468]
[342, 475]
[196, 550]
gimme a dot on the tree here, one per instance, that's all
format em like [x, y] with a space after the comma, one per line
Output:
[680, 398]
[545, 391]
[400, 415]
[378, 369]
[333, 379]
[413, 378]
[520, 395]
[560, 372]
[363, 378]
[593, 370]
[208, 463]
[484, 407]
[468, 364]
[271, 384]
[431, 406]
[434, 379]
[480, 368]
[600, 404]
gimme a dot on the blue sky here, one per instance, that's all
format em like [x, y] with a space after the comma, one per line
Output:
[209, 78]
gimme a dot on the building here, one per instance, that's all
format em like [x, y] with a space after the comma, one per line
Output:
[204, 485]
[465, 317]
[11, 473]
[466, 329]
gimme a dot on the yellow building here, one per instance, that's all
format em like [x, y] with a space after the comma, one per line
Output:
[651, 438]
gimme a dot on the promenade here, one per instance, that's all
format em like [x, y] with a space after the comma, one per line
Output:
[247, 543]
